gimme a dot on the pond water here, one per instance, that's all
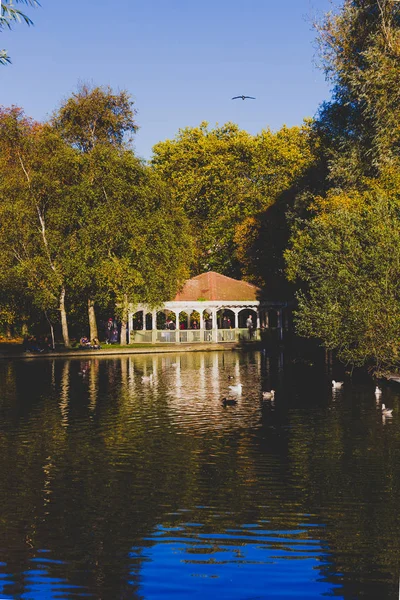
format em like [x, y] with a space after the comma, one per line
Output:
[116, 488]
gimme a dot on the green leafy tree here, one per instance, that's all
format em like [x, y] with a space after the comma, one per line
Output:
[222, 176]
[37, 169]
[141, 238]
[347, 261]
[360, 50]
[97, 123]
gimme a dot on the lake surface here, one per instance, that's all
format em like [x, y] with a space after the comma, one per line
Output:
[114, 488]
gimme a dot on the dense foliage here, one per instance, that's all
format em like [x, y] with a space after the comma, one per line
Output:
[83, 223]
[348, 257]
[223, 176]
[344, 248]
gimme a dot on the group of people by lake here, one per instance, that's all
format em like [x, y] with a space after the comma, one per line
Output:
[86, 344]
[32, 343]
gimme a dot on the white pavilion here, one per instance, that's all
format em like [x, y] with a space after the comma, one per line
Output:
[196, 314]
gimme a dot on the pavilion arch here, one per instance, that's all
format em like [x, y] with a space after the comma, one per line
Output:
[184, 319]
[231, 318]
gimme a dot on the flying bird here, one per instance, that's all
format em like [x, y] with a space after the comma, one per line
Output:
[243, 97]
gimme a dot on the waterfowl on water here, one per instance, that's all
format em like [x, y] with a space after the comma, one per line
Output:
[147, 378]
[229, 401]
[269, 395]
[387, 412]
[236, 389]
[337, 385]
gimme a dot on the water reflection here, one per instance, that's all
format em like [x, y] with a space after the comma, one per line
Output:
[115, 488]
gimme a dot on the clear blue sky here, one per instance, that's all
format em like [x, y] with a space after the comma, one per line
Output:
[181, 60]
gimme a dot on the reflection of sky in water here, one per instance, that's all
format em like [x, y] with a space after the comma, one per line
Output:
[41, 584]
[244, 563]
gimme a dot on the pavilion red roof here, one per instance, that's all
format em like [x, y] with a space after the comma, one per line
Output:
[213, 286]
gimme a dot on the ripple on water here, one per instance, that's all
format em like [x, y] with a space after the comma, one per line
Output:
[245, 562]
[296, 498]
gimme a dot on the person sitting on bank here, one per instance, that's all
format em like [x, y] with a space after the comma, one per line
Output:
[31, 344]
[84, 343]
[95, 344]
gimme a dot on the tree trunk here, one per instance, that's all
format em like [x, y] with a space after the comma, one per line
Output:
[8, 331]
[64, 323]
[53, 344]
[92, 320]
[124, 320]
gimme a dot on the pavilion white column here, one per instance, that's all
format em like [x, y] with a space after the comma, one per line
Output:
[177, 337]
[154, 326]
[130, 326]
[201, 325]
[266, 319]
[214, 325]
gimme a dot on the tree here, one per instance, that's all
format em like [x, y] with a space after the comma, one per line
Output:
[95, 115]
[9, 15]
[224, 175]
[94, 121]
[347, 260]
[140, 237]
[360, 50]
[37, 170]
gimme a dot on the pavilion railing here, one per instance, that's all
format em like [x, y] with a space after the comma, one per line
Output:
[141, 336]
[192, 336]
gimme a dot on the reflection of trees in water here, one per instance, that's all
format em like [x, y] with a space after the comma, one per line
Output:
[349, 473]
[132, 453]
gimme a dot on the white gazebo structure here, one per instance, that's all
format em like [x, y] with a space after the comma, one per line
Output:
[196, 315]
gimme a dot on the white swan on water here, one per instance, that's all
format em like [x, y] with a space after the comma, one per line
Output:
[236, 389]
[387, 412]
[337, 385]
[269, 395]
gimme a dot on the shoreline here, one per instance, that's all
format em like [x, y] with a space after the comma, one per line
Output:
[122, 350]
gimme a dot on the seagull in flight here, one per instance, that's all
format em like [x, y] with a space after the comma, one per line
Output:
[243, 97]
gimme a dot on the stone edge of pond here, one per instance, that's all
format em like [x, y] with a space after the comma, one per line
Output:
[119, 351]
